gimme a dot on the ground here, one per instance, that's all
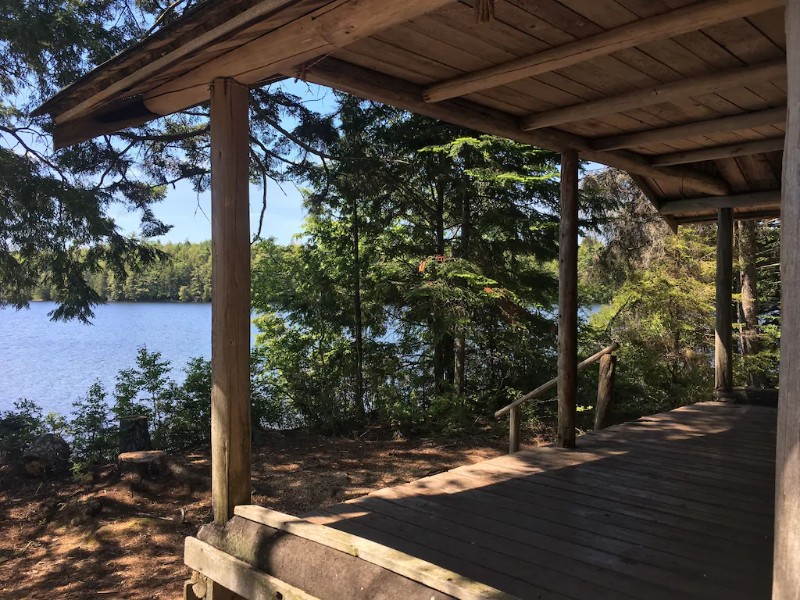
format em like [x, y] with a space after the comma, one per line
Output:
[121, 535]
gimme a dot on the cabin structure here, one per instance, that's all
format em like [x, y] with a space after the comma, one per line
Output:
[699, 100]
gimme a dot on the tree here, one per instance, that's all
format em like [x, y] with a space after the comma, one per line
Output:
[55, 229]
[422, 287]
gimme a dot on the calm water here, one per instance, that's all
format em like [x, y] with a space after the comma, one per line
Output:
[54, 364]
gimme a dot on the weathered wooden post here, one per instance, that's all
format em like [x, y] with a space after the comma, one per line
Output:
[514, 428]
[786, 575]
[723, 334]
[230, 327]
[568, 301]
[605, 391]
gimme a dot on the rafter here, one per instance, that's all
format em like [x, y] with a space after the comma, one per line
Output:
[717, 152]
[770, 116]
[333, 26]
[403, 94]
[675, 22]
[676, 90]
[761, 200]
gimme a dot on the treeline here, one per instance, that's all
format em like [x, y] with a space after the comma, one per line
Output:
[181, 273]
[421, 292]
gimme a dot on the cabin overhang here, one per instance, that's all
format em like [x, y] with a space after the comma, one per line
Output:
[692, 97]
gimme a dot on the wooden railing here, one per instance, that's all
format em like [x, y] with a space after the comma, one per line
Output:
[605, 387]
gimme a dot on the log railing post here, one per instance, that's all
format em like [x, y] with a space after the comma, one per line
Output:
[514, 428]
[230, 309]
[568, 301]
[786, 574]
[723, 338]
[605, 391]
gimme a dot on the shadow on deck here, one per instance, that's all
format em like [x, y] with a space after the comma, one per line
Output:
[677, 505]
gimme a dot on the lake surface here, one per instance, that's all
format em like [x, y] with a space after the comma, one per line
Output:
[54, 364]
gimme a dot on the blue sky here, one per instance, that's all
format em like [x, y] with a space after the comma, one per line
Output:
[189, 213]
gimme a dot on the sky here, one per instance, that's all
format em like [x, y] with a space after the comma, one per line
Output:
[190, 213]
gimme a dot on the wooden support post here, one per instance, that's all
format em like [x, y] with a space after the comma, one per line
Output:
[786, 575]
[514, 429]
[230, 326]
[723, 338]
[605, 391]
[568, 301]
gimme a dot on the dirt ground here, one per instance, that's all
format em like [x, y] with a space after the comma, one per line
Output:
[121, 536]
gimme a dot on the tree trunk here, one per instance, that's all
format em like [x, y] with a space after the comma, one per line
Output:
[361, 410]
[748, 246]
[134, 434]
[461, 340]
[443, 351]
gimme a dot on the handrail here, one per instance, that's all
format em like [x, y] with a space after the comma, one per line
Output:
[552, 383]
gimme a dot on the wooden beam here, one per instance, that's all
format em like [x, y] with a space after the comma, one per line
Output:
[676, 90]
[666, 25]
[429, 574]
[230, 297]
[770, 116]
[723, 329]
[236, 575]
[406, 95]
[514, 429]
[770, 199]
[605, 392]
[655, 198]
[568, 301]
[333, 26]
[786, 574]
[718, 152]
[756, 215]
[224, 31]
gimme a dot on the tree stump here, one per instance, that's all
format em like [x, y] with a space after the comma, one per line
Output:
[147, 463]
[47, 455]
[134, 434]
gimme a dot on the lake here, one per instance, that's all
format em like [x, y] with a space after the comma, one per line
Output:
[54, 364]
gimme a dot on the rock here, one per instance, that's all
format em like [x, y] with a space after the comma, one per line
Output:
[48, 454]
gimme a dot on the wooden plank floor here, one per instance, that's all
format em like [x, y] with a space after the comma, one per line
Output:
[677, 505]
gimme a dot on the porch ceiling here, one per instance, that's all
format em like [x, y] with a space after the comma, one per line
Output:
[687, 96]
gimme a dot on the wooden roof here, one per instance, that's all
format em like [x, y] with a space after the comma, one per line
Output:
[688, 96]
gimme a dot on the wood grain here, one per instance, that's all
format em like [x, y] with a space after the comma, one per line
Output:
[230, 298]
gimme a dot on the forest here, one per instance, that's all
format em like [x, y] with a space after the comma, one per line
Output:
[420, 292]
[180, 273]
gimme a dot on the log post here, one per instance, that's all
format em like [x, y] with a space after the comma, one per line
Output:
[723, 338]
[568, 301]
[605, 391]
[514, 429]
[230, 327]
[786, 574]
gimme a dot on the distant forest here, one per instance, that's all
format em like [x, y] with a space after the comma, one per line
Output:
[182, 274]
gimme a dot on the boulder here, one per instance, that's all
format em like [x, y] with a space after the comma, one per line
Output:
[48, 454]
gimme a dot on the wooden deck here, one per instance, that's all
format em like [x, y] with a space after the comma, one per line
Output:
[677, 505]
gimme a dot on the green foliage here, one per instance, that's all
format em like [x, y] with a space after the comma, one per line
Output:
[659, 291]
[420, 293]
[94, 435]
[19, 427]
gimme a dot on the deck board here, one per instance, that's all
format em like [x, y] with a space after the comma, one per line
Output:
[676, 505]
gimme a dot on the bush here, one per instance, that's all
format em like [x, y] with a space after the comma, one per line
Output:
[19, 427]
[94, 435]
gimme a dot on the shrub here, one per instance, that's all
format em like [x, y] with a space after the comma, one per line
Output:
[19, 427]
[94, 435]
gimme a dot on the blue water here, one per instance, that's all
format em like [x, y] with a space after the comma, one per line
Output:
[54, 364]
